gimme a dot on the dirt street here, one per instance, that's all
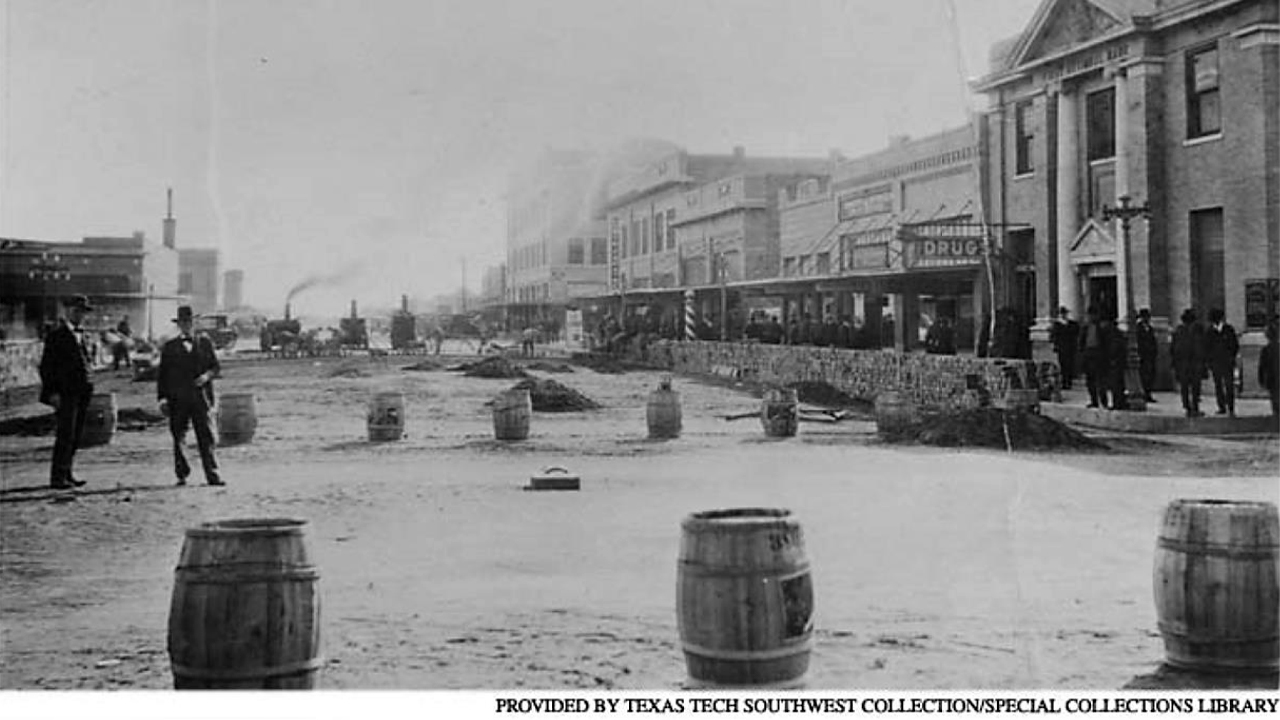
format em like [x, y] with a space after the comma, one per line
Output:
[947, 569]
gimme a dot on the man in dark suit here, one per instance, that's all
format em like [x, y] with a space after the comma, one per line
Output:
[1221, 348]
[1147, 350]
[184, 383]
[66, 385]
[1065, 336]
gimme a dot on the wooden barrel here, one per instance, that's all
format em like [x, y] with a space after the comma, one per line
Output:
[245, 612]
[511, 412]
[386, 417]
[744, 598]
[780, 412]
[663, 413]
[237, 418]
[100, 420]
[1216, 591]
[895, 411]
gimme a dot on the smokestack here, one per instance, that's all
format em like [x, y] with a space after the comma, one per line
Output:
[404, 304]
[286, 311]
[353, 310]
[170, 225]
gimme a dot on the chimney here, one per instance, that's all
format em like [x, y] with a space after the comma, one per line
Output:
[170, 225]
[404, 304]
[898, 140]
[353, 310]
[286, 311]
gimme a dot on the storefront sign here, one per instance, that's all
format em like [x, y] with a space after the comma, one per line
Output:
[945, 252]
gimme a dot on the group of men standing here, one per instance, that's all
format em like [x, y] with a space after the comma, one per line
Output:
[1197, 352]
[184, 390]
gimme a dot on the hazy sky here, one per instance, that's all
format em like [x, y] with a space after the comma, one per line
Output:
[373, 138]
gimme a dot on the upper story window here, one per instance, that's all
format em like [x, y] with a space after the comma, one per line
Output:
[577, 251]
[644, 236]
[599, 252]
[1204, 113]
[671, 231]
[622, 245]
[1024, 133]
[1100, 116]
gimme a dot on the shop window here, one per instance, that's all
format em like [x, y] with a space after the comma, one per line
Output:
[1100, 115]
[1204, 113]
[599, 252]
[577, 251]
[1024, 133]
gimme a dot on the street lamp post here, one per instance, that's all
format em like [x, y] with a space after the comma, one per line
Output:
[47, 268]
[1135, 395]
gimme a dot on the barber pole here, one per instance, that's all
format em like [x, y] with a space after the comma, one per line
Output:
[688, 316]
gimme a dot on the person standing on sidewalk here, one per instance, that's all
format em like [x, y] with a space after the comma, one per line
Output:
[66, 385]
[1095, 339]
[1269, 367]
[184, 385]
[1066, 337]
[1146, 353]
[1187, 351]
[1221, 348]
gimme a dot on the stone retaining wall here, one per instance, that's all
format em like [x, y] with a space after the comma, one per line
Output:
[20, 363]
[932, 381]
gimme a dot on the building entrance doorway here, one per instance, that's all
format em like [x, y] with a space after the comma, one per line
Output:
[1102, 295]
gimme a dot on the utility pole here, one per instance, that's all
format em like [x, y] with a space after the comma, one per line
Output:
[1135, 394]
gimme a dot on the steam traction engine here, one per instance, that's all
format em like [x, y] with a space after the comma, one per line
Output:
[404, 333]
[352, 330]
[280, 335]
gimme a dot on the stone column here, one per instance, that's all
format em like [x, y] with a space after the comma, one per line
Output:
[1123, 149]
[1068, 187]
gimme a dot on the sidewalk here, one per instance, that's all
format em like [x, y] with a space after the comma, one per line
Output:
[1165, 416]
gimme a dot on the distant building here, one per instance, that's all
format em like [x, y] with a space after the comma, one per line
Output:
[232, 290]
[124, 277]
[198, 277]
[493, 286]
[556, 251]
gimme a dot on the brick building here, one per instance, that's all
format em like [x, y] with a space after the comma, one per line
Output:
[897, 233]
[1171, 103]
[684, 221]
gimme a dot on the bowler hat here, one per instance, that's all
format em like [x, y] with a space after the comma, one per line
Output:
[79, 301]
[184, 314]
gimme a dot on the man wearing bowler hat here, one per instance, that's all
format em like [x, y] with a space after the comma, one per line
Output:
[66, 385]
[184, 384]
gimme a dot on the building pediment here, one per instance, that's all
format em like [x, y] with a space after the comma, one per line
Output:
[1093, 244]
[1060, 25]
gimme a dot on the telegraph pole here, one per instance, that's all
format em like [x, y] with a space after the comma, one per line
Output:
[1135, 394]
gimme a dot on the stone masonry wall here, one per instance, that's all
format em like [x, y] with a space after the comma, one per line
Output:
[932, 381]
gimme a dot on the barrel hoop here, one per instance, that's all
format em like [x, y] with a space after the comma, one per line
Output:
[780, 574]
[213, 575]
[293, 668]
[747, 655]
[1245, 552]
[1170, 630]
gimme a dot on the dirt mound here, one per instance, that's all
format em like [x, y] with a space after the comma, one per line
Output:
[29, 426]
[986, 427]
[424, 366]
[493, 367]
[817, 392]
[347, 370]
[599, 362]
[136, 419]
[551, 396]
[549, 367]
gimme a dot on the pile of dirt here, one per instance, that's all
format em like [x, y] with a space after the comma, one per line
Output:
[816, 392]
[29, 426]
[424, 366]
[549, 367]
[551, 396]
[138, 419]
[599, 362]
[986, 427]
[493, 367]
[347, 370]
